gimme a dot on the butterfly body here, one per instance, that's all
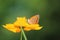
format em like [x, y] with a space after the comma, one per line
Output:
[34, 19]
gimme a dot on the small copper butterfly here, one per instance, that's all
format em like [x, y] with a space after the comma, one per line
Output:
[34, 19]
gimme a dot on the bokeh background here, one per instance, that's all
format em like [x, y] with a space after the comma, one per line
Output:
[49, 11]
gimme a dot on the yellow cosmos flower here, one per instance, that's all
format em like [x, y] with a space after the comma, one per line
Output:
[21, 22]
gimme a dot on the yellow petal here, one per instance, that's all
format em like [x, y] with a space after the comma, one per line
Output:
[34, 27]
[27, 29]
[37, 28]
[21, 21]
[11, 27]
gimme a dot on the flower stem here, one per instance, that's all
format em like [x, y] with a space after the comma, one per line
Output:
[23, 33]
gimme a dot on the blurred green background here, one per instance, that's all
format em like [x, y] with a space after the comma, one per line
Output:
[49, 11]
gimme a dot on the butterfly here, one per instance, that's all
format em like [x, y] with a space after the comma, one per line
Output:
[34, 19]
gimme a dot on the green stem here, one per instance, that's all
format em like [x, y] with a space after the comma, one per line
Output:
[23, 33]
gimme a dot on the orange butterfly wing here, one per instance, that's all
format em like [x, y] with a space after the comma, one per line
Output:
[34, 19]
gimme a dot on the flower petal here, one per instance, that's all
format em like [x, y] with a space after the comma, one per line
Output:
[33, 27]
[21, 21]
[11, 27]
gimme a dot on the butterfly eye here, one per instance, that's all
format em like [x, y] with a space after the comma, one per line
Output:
[34, 19]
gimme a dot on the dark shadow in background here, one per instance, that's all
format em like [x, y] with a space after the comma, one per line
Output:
[55, 26]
